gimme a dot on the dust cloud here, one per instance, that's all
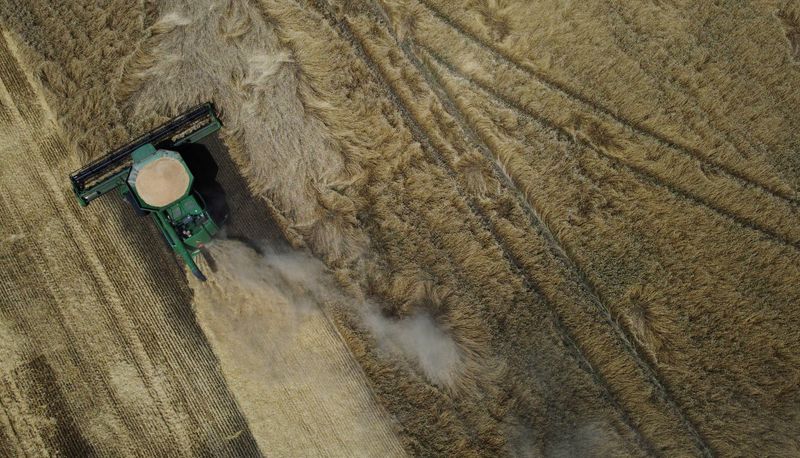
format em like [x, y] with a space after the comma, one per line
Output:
[263, 310]
[419, 339]
[297, 284]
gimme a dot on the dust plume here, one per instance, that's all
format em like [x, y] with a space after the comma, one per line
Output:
[263, 310]
[291, 374]
[292, 286]
[419, 339]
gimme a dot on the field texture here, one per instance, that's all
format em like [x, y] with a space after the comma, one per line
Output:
[98, 356]
[102, 353]
[550, 229]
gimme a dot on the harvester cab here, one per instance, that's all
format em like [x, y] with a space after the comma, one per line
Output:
[169, 175]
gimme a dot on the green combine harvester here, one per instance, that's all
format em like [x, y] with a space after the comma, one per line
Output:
[169, 175]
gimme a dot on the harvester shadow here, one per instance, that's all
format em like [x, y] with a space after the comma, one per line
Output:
[248, 220]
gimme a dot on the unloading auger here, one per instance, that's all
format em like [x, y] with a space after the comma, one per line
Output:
[167, 174]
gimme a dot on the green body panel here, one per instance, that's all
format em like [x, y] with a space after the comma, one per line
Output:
[177, 243]
[143, 153]
[119, 179]
[190, 218]
[186, 225]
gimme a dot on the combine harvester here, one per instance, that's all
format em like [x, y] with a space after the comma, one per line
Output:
[168, 174]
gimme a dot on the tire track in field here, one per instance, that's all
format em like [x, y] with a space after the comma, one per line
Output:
[557, 246]
[49, 299]
[344, 29]
[15, 82]
[635, 170]
[482, 123]
[125, 340]
[616, 13]
[733, 174]
[52, 149]
[57, 198]
[565, 255]
[746, 203]
[535, 220]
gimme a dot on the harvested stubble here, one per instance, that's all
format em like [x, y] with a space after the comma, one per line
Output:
[597, 203]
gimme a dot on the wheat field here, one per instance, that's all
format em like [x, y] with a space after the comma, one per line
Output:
[471, 228]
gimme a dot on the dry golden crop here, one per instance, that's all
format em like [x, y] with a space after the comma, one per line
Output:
[561, 228]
